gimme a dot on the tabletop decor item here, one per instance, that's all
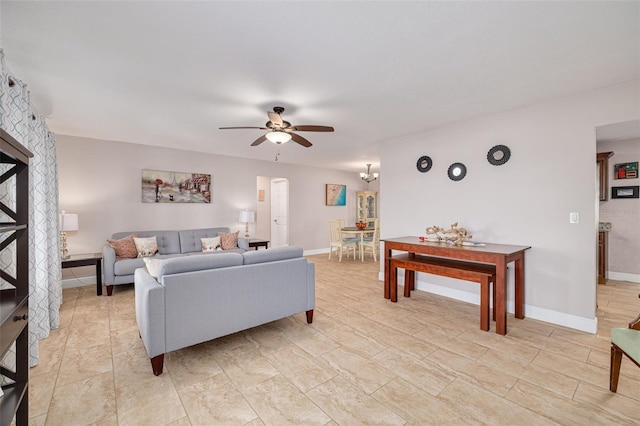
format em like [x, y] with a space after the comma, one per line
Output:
[361, 225]
[453, 235]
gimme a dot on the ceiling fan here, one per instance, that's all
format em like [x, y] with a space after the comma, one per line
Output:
[281, 131]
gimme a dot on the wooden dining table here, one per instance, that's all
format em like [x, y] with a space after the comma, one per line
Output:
[495, 254]
[361, 232]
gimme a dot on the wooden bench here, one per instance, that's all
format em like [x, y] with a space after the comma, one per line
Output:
[481, 273]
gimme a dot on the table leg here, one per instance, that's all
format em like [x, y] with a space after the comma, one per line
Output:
[387, 272]
[501, 296]
[394, 285]
[99, 277]
[519, 287]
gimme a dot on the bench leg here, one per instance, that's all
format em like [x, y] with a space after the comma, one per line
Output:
[409, 282]
[493, 293]
[484, 304]
[614, 368]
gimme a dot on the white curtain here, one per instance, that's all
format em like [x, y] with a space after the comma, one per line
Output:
[18, 118]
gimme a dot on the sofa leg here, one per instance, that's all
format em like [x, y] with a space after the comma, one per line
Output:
[157, 363]
[109, 290]
[310, 316]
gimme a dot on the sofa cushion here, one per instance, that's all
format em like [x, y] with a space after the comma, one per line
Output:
[190, 239]
[125, 248]
[180, 264]
[146, 246]
[128, 266]
[271, 255]
[168, 241]
[228, 240]
[210, 244]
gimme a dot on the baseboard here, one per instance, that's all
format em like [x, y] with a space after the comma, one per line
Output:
[78, 282]
[316, 251]
[541, 314]
[623, 276]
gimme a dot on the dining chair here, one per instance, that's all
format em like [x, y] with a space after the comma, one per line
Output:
[338, 242]
[624, 341]
[373, 242]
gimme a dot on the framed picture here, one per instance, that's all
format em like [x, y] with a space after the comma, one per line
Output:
[336, 195]
[624, 192]
[175, 187]
[625, 170]
[260, 194]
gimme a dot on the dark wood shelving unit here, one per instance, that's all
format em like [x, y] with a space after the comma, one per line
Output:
[14, 302]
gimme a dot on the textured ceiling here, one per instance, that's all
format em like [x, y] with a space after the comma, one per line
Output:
[171, 73]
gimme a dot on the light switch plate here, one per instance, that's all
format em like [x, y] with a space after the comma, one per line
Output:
[574, 217]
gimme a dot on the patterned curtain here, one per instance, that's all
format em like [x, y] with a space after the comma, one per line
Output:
[18, 118]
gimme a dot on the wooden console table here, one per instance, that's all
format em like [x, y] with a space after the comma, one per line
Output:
[495, 254]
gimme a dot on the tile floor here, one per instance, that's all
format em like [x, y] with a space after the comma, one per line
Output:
[363, 361]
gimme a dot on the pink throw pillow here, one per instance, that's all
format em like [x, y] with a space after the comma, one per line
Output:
[228, 241]
[125, 247]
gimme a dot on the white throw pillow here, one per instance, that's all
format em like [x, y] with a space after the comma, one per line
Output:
[146, 246]
[153, 266]
[210, 244]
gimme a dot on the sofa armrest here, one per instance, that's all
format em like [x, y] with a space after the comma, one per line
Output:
[108, 264]
[311, 285]
[243, 243]
[150, 314]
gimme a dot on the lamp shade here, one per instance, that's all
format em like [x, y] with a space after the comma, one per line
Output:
[68, 222]
[247, 216]
[278, 137]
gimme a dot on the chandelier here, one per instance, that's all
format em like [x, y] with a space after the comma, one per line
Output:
[369, 177]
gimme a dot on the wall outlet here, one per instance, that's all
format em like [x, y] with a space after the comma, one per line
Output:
[574, 217]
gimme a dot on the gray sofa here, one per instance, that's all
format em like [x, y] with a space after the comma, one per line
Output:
[170, 244]
[199, 298]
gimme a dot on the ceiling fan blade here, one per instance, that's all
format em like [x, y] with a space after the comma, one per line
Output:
[299, 139]
[259, 140]
[225, 128]
[311, 128]
[275, 118]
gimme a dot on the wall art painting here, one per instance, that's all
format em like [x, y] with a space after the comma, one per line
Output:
[336, 195]
[625, 170]
[175, 187]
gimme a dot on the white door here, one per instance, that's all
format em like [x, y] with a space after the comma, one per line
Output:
[279, 212]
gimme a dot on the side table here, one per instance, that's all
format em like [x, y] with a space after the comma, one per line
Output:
[76, 260]
[257, 242]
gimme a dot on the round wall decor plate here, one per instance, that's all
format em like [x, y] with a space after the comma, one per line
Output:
[498, 155]
[457, 171]
[424, 164]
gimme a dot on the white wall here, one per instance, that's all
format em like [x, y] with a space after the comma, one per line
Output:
[100, 181]
[527, 201]
[624, 215]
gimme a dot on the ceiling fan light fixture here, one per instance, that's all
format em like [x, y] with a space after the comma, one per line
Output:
[278, 137]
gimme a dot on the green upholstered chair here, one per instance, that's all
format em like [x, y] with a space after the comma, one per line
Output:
[624, 341]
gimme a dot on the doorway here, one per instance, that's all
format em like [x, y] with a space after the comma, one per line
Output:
[272, 219]
[617, 220]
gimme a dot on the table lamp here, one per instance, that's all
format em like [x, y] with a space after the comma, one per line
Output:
[247, 217]
[68, 222]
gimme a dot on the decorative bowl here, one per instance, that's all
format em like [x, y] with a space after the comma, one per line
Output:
[361, 225]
